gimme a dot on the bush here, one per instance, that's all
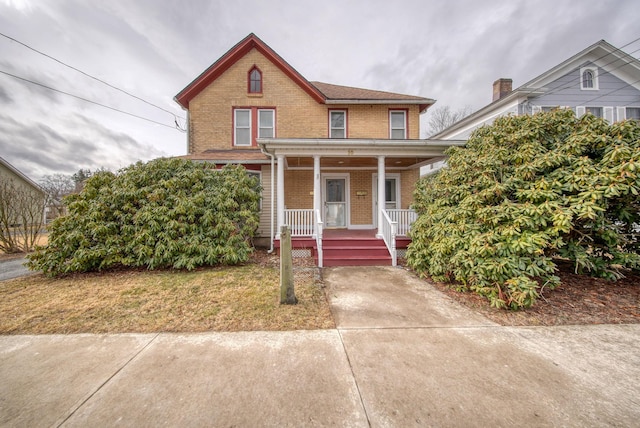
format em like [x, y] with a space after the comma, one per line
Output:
[526, 190]
[168, 213]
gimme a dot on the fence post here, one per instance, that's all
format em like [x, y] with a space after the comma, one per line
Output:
[287, 294]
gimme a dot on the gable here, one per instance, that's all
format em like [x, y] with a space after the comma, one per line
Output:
[566, 90]
[230, 58]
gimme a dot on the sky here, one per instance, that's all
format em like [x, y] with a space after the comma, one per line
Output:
[451, 51]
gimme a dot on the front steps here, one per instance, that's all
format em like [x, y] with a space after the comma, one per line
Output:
[349, 250]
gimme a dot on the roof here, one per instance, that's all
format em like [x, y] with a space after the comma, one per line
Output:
[234, 54]
[324, 93]
[601, 51]
[21, 175]
[229, 156]
[336, 94]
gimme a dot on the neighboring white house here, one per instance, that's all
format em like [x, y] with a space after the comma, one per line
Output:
[602, 80]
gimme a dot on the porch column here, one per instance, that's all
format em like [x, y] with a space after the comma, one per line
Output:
[280, 195]
[381, 194]
[317, 201]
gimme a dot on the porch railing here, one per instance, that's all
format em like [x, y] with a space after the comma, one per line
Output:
[301, 222]
[404, 218]
[389, 228]
[318, 233]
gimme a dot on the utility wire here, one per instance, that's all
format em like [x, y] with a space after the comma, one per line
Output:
[94, 78]
[89, 101]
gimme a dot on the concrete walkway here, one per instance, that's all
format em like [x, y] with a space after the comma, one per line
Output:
[403, 355]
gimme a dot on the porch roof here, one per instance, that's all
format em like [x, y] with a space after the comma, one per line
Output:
[356, 147]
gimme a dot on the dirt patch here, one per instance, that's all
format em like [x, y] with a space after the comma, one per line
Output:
[578, 300]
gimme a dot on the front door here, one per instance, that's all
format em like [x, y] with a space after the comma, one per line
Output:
[335, 202]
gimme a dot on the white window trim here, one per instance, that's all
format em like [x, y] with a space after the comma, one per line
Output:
[607, 114]
[235, 127]
[404, 128]
[624, 111]
[594, 70]
[586, 110]
[331, 128]
[273, 124]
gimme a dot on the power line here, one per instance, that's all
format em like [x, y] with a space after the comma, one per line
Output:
[92, 77]
[90, 101]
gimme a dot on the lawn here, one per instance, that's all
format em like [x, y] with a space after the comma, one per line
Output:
[215, 299]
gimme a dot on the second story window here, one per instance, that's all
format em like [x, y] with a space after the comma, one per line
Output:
[397, 124]
[242, 127]
[589, 78]
[338, 124]
[250, 123]
[255, 81]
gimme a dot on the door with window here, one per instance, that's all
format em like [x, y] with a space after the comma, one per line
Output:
[335, 201]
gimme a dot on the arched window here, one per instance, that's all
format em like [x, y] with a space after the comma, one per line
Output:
[255, 81]
[589, 78]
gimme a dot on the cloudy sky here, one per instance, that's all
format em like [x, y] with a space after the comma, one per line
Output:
[448, 50]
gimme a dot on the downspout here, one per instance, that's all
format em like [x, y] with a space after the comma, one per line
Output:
[262, 149]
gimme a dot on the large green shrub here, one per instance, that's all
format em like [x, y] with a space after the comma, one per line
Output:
[168, 213]
[524, 191]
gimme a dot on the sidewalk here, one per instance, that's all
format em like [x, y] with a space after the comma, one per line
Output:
[403, 355]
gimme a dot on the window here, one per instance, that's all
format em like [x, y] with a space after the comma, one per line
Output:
[255, 81]
[242, 128]
[589, 78]
[337, 124]
[245, 130]
[633, 113]
[596, 111]
[397, 124]
[265, 124]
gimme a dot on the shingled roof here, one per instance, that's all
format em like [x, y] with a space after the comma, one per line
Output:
[322, 92]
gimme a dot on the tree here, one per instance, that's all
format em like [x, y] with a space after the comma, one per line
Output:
[80, 177]
[21, 216]
[168, 213]
[443, 117]
[57, 186]
[524, 191]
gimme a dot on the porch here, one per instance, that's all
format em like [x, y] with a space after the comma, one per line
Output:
[350, 247]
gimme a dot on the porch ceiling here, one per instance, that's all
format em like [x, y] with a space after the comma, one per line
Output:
[357, 162]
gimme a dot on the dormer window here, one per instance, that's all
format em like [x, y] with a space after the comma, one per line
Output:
[255, 81]
[589, 78]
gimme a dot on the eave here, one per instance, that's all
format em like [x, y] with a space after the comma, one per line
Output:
[231, 57]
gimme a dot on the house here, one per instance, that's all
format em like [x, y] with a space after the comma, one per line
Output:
[323, 152]
[23, 201]
[601, 80]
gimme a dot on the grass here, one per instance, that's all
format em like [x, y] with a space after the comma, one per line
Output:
[216, 299]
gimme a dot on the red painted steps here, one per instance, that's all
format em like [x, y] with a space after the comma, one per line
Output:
[348, 250]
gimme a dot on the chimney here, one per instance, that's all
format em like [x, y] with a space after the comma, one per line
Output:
[501, 87]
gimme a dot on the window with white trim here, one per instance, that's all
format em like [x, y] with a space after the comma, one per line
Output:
[266, 123]
[589, 78]
[242, 127]
[251, 123]
[337, 124]
[596, 111]
[632, 113]
[397, 124]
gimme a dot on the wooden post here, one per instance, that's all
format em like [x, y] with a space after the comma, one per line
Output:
[287, 294]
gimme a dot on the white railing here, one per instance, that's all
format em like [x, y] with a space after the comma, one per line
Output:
[404, 218]
[318, 233]
[301, 222]
[389, 236]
